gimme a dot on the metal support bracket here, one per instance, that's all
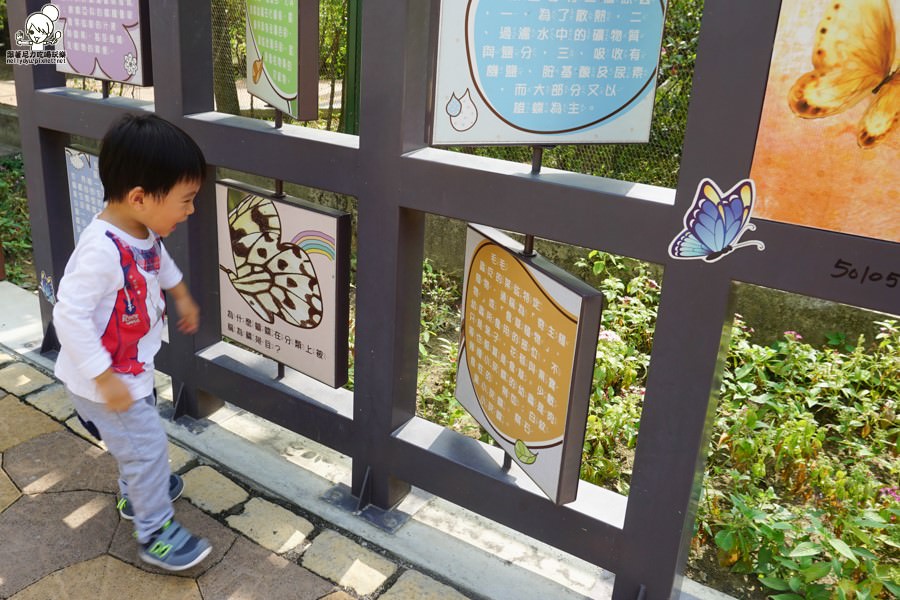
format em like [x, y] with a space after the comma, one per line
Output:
[386, 520]
[50, 343]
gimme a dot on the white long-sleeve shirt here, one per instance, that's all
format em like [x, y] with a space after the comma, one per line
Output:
[97, 314]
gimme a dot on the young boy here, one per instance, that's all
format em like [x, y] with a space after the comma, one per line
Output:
[109, 320]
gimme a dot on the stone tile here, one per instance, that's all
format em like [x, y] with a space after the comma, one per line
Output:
[208, 489]
[338, 595]
[53, 401]
[9, 493]
[5, 357]
[249, 572]
[347, 563]
[197, 522]
[76, 427]
[179, 458]
[61, 462]
[271, 526]
[413, 585]
[21, 379]
[20, 423]
[105, 578]
[45, 533]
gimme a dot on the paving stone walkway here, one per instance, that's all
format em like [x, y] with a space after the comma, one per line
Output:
[61, 537]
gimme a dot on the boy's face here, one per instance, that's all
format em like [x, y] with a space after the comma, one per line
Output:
[175, 207]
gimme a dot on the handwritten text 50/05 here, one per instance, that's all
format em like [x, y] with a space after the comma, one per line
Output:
[843, 268]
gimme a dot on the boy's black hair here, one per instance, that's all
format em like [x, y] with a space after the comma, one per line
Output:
[149, 152]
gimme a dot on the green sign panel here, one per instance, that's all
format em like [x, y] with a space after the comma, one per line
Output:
[282, 55]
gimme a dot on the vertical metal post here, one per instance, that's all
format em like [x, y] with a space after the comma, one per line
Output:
[43, 152]
[182, 50]
[537, 156]
[350, 100]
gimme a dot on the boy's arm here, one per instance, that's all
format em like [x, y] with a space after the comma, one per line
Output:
[86, 282]
[188, 311]
[170, 278]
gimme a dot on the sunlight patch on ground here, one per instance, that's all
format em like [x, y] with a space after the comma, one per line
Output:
[44, 483]
[85, 513]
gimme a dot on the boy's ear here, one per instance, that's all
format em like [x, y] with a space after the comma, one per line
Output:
[135, 197]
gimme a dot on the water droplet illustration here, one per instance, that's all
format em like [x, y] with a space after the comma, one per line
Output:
[454, 106]
[467, 114]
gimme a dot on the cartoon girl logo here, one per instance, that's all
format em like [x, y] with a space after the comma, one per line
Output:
[39, 29]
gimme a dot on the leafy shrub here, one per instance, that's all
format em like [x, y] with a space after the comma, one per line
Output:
[15, 229]
[802, 463]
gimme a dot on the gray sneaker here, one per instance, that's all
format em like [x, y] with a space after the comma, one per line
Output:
[174, 548]
[176, 487]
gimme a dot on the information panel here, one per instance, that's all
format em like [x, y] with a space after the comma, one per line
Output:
[106, 40]
[545, 71]
[529, 338]
[85, 188]
[284, 277]
[282, 55]
[832, 102]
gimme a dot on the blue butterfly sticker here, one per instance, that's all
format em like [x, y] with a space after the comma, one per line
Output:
[46, 287]
[715, 222]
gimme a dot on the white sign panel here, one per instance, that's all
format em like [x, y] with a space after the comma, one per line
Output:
[283, 280]
[85, 188]
[546, 71]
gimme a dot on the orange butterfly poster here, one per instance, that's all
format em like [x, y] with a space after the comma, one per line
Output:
[828, 148]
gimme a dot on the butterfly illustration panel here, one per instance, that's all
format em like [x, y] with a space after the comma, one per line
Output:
[829, 137]
[284, 279]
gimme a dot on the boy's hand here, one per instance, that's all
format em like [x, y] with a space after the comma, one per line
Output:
[113, 391]
[188, 315]
[188, 311]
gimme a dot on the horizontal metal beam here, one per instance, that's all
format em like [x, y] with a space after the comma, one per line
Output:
[301, 155]
[589, 528]
[577, 209]
[297, 402]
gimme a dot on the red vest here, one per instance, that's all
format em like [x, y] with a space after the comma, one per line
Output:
[130, 321]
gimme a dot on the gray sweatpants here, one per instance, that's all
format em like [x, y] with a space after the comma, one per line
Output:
[137, 440]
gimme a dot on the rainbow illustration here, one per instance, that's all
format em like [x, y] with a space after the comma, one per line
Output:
[315, 242]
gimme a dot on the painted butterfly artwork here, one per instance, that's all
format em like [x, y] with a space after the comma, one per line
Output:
[715, 222]
[277, 279]
[854, 58]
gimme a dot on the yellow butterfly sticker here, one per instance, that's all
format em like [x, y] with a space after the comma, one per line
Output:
[854, 58]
